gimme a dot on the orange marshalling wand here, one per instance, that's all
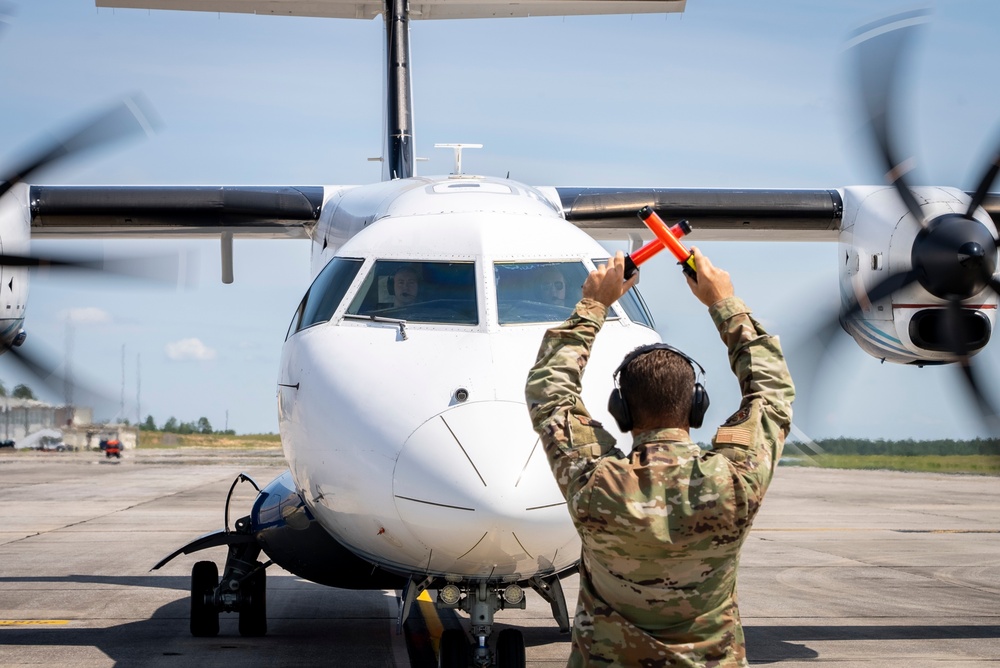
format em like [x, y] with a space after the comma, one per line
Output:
[665, 237]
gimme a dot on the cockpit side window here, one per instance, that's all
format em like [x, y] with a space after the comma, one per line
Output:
[529, 292]
[632, 303]
[325, 293]
[437, 292]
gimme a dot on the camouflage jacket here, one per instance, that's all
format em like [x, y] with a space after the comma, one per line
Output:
[661, 528]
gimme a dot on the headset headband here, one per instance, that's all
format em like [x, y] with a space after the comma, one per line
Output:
[642, 350]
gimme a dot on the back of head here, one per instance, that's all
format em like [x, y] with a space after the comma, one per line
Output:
[658, 387]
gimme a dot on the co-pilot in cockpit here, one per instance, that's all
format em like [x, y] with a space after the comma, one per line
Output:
[436, 292]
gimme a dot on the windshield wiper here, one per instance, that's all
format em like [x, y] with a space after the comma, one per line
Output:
[379, 318]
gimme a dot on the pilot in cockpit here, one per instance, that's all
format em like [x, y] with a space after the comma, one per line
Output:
[405, 285]
[551, 286]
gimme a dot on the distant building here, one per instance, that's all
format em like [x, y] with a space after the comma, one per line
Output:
[20, 419]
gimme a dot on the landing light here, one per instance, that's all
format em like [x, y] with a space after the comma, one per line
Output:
[450, 594]
[513, 594]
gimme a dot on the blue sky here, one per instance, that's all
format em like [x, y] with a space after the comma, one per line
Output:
[734, 94]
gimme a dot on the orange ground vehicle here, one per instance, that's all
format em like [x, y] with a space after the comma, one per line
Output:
[112, 448]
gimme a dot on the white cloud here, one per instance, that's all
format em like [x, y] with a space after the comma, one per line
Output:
[86, 315]
[188, 350]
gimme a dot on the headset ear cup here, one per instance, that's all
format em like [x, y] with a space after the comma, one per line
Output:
[619, 410]
[699, 406]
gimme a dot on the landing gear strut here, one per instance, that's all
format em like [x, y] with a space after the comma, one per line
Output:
[243, 589]
[481, 601]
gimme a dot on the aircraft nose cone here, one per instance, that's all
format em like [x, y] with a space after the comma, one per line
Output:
[474, 483]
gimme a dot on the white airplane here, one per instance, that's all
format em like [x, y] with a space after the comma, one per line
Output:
[400, 396]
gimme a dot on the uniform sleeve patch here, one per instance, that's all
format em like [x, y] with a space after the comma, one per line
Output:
[734, 436]
[588, 421]
[740, 416]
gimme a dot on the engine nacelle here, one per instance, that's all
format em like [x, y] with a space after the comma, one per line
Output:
[15, 232]
[876, 241]
[293, 539]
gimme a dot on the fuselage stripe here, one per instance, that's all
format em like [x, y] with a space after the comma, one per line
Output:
[878, 332]
[877, 337]
[973, 307]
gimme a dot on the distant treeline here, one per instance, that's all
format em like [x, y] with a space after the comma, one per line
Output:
[907, 448]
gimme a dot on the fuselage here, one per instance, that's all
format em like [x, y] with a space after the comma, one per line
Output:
[405, 425]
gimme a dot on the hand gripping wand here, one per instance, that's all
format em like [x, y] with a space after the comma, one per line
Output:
[665, 237]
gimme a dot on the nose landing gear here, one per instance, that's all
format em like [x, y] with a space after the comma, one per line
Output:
[481, 601]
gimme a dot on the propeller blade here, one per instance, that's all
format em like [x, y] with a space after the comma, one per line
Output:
[39, 366]
[955, 336]
[809, 360]
[169, 269]
[885, 288]
[6, 15]
[984, 186]
[879, 50]
[127, 118]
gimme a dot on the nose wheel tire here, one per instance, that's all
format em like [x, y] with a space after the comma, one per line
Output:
[204, 615]
[454, 650]
[510, 649]
[253, 614]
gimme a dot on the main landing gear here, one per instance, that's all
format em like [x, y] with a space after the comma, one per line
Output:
[242, 589]
[243, 586]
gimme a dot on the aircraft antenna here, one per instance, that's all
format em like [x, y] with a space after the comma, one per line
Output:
[458, 153]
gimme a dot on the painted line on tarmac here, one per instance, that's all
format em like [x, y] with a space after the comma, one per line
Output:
[423, 630]
[34, 622]
[431, 619]
[873, 529]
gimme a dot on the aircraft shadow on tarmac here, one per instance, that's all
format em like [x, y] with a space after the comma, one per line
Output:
[320, 625]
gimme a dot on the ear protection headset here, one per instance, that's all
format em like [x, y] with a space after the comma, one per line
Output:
[618, 407]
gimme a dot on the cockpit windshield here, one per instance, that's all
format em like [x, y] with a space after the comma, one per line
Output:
[532, 292]
[537, 291]
[438, 292]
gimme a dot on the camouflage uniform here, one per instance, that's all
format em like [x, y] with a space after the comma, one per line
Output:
[662, 528]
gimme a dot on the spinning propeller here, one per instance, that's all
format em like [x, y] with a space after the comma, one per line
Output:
[954, 255]
[123, 120]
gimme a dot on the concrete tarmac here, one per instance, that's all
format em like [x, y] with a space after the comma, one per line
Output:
[845, 568]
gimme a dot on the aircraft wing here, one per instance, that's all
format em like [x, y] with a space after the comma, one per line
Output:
[419, 9]
[716, 214]
[291, 212]
[288, 212]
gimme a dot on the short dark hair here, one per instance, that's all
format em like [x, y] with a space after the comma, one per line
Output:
[658, 387]
[410, 267]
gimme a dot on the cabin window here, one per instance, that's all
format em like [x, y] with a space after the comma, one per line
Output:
[631, 302]
[437, 292]
[529, 292]
[325, 294]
